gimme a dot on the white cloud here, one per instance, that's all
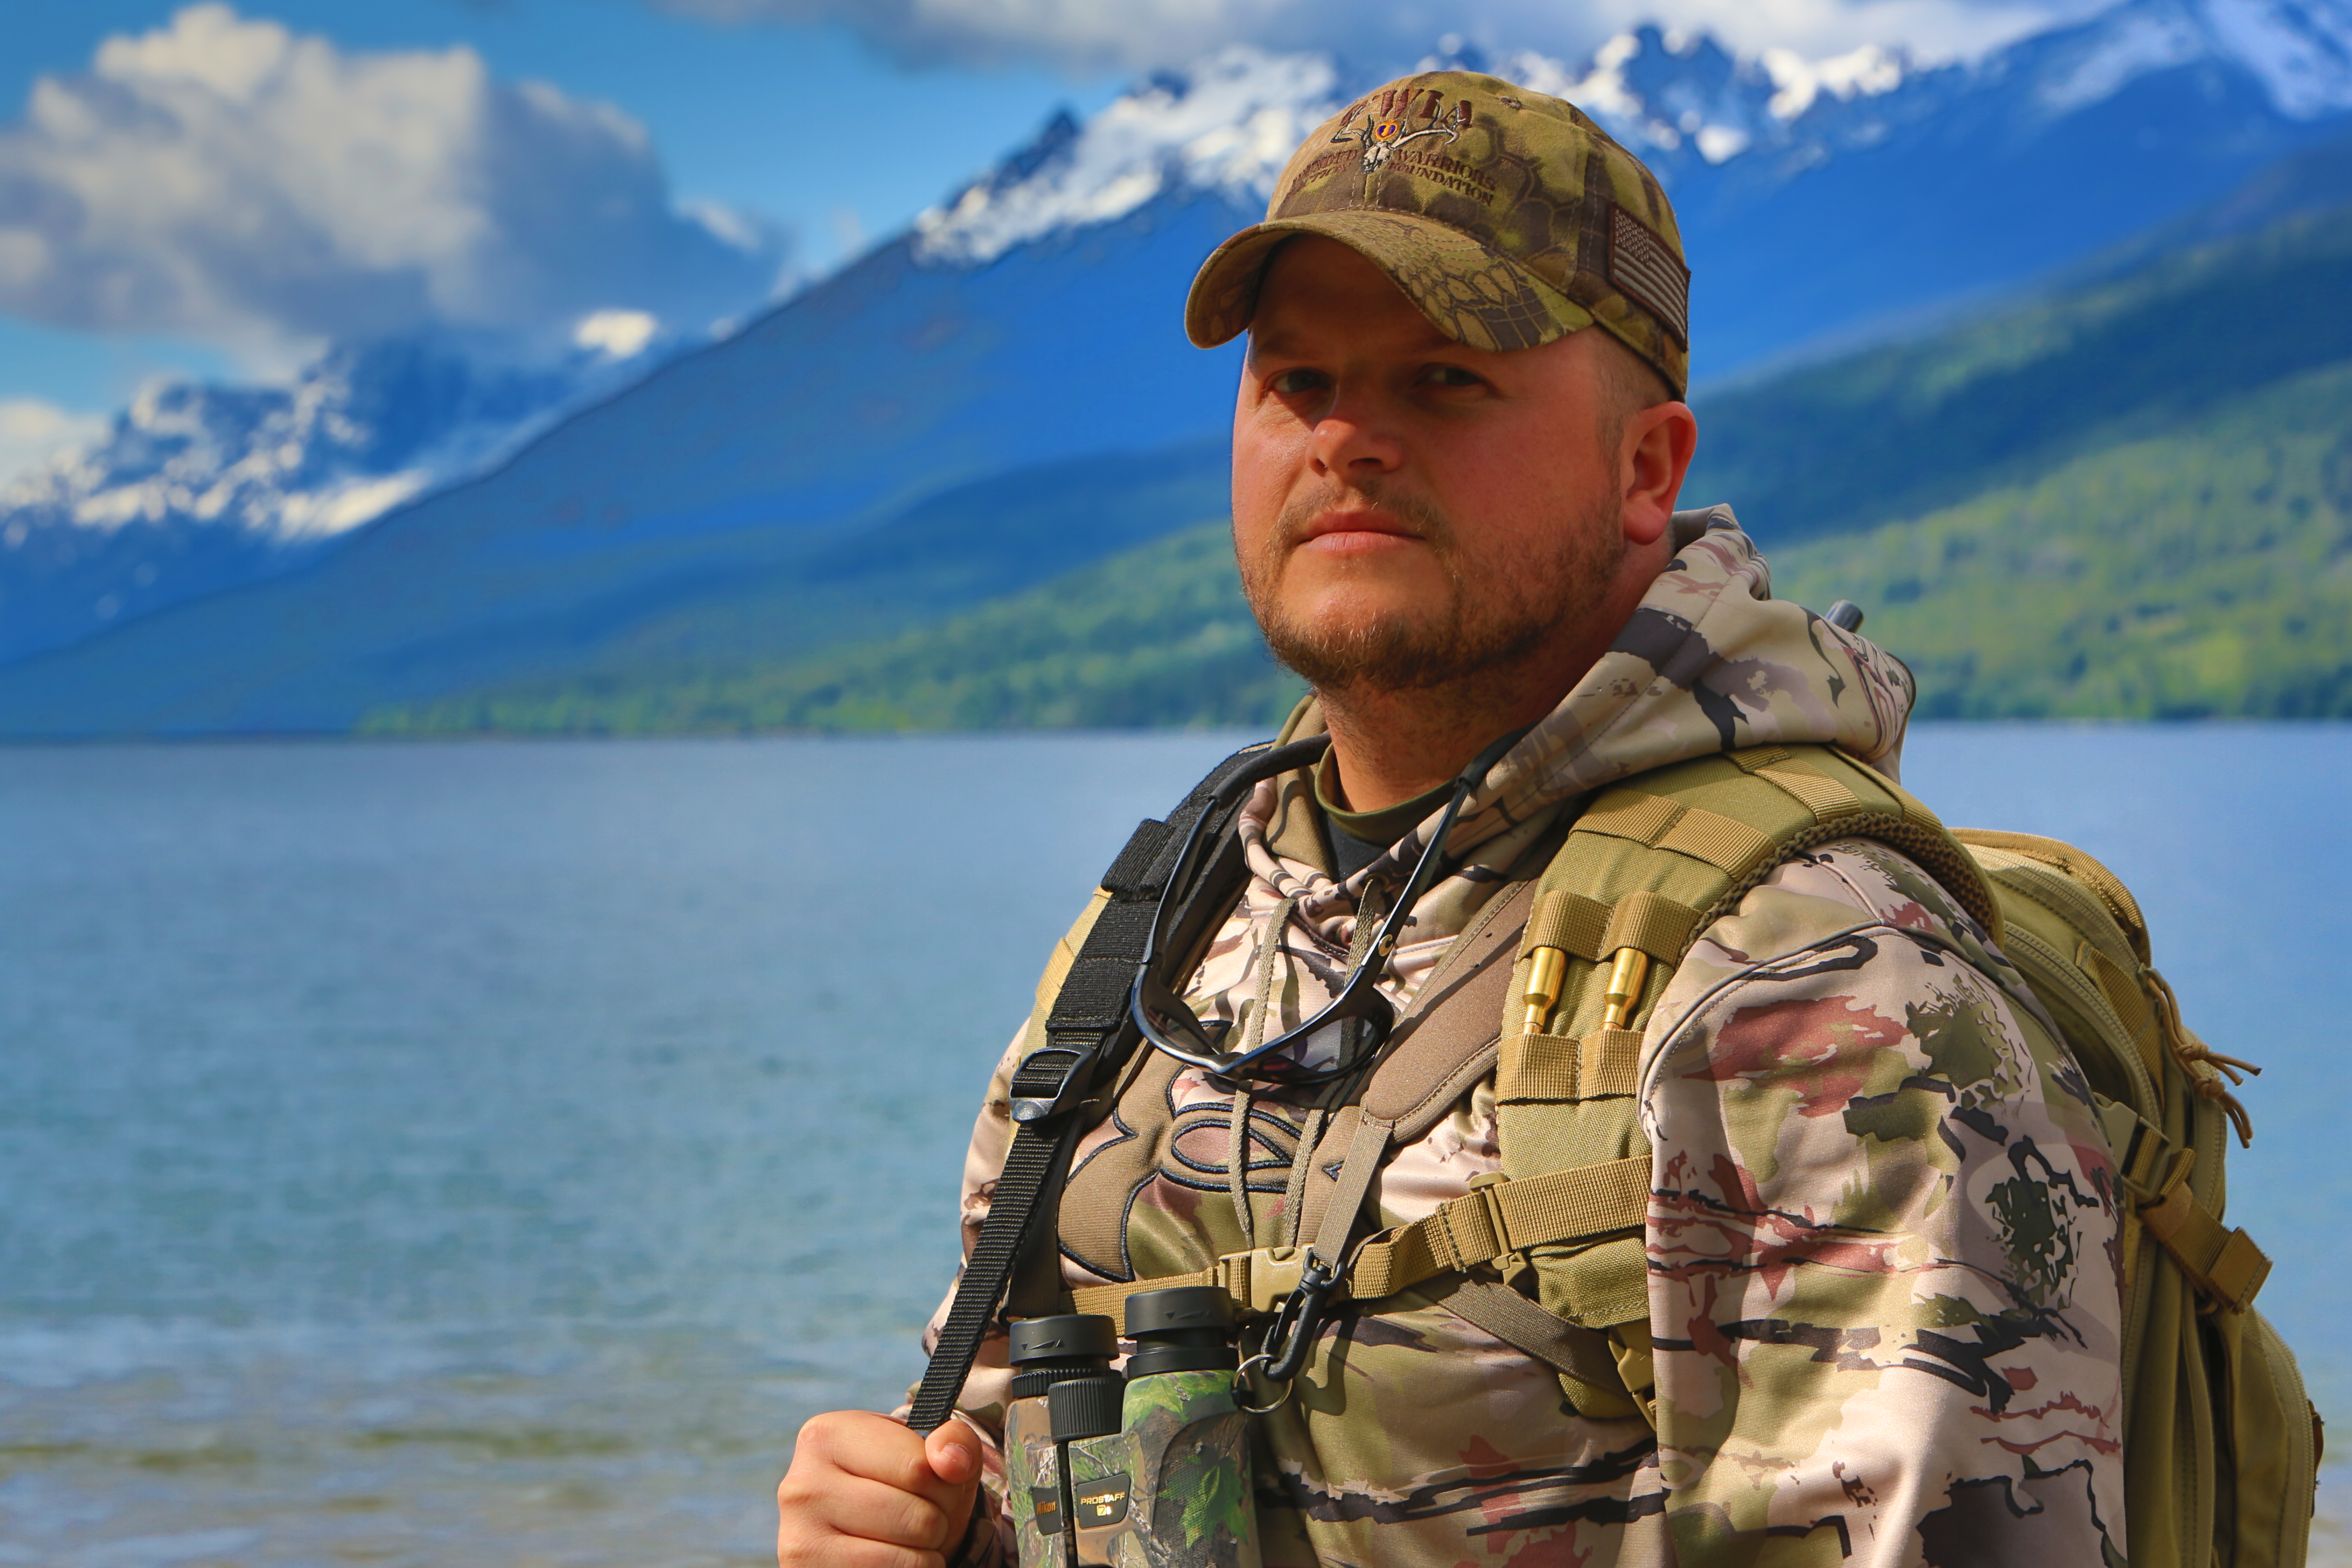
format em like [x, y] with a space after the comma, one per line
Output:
[1140, 33]
[229, 179]
[33, 432]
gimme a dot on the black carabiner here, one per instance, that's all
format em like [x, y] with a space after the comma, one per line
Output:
[1295, 1326]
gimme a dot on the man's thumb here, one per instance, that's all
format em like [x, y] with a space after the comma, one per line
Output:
[953, 1449]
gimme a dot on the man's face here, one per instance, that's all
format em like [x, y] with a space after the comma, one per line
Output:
[1407, 512]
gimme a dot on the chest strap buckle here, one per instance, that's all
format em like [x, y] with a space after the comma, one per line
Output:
[1049, 1081]
[1257, 1281]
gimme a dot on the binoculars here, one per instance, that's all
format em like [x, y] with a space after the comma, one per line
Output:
[1148, 1470]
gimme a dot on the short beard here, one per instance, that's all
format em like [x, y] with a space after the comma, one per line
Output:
[1533, 598]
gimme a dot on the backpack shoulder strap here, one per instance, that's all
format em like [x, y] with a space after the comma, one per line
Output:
[1637, 878]
[1644, 868]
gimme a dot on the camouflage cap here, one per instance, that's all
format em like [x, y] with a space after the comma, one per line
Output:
[1509, 217]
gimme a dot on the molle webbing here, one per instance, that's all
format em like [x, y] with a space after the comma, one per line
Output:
[1724, 823]
[1652, 863]
[1588, 929]
[1484, 1224]
[1601, 1065]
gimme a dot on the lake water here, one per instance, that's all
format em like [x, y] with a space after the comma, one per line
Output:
[487, 1155]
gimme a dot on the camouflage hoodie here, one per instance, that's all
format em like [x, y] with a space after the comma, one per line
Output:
[1883, 1256]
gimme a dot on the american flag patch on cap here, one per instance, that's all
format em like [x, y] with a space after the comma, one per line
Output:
[1646, 270]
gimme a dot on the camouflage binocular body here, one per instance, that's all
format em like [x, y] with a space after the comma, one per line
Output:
[1152, 1470]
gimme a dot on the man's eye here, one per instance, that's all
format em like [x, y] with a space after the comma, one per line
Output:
[1450, 376]
[1291, 382]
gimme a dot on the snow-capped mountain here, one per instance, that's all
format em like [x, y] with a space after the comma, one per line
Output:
[1815, 194]
[1227, 126]
[197, 487]
[1818, 197]
[1684, 103]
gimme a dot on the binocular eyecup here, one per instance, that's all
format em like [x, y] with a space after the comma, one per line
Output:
[1185, 1328]
[1047, 1351]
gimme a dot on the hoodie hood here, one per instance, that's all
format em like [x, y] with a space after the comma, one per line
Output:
[1708, 662]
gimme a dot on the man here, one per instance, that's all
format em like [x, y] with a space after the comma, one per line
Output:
[1883, 1320]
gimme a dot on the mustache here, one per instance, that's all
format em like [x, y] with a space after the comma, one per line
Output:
[1432, 524]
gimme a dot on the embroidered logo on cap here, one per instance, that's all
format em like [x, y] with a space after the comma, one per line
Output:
[1644, 269]
[1387, 127]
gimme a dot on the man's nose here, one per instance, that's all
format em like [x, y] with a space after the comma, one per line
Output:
[1352, 439]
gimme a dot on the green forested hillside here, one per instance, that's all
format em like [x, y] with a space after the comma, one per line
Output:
[1894, 432]
[2131, 501]
[2202, 571]
[1157, 637]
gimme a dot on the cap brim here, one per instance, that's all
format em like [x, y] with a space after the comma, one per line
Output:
[1468, 292]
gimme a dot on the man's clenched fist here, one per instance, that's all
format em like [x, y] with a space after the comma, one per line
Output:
[864, 1493]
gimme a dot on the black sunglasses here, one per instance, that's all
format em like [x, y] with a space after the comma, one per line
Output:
[1171, 1025]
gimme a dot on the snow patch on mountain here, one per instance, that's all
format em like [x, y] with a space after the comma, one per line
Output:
[359, 431]
[2301, 50]
[1229, 125]
[1673, 98]
[2120, 47]
[33, 431]
[1797, 82]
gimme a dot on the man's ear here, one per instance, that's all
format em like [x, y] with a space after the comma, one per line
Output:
[1652, 460]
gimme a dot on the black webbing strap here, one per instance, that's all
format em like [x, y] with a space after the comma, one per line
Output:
[1087, 1039]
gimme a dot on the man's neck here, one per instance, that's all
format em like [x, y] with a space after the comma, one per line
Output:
[1388, 748]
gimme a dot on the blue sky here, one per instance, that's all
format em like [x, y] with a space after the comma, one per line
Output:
[751, 116]
[735, 109]
[220, 190]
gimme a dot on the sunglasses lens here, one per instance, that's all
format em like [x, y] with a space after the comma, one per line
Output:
[1178, 1022]
[1325, 1047]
